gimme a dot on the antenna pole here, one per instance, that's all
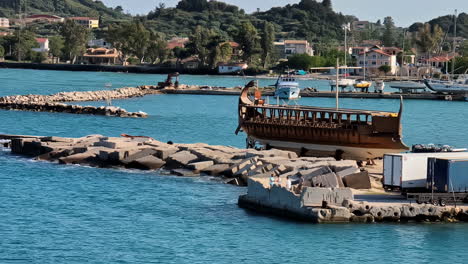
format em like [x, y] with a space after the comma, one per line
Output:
[337, 78]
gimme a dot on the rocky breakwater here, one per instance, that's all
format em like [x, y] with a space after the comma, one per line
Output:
[54, 102]
[230, 164]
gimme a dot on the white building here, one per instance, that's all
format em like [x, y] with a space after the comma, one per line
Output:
[4, 22]
[99, 43]
[43, 45]
[288, 48]
[231, 67]
[374, 58]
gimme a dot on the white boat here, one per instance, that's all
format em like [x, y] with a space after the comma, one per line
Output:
[408, 86]
[342, 83]
[379, 86]
[287, 88]
[459, 86]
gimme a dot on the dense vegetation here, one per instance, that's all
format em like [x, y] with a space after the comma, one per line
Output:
[11, 8]
[447, 25]
[309, 19]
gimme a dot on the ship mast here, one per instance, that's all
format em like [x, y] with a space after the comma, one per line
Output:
[454, 42]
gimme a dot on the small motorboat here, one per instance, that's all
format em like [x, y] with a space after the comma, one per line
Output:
[379, 86]
[287, 88]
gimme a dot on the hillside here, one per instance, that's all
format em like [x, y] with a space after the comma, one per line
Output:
[309, 19]
[446, 23]
[64, 8]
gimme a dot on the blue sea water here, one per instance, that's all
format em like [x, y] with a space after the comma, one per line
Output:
[51, 213]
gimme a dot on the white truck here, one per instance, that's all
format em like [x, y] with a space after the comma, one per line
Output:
[408, 171]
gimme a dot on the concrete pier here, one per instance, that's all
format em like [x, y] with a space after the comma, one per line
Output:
[322, 94]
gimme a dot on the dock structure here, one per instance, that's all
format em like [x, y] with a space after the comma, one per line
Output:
[321, 94]
[317, 190]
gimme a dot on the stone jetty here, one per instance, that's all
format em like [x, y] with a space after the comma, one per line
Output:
[54, 102]
[233, 165]
[317, 190]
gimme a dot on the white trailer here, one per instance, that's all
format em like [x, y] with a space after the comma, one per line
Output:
[409, 170]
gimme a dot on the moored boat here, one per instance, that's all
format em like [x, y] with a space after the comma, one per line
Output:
[318, 131]
[287, 88]
[408, 86]
[459, 86]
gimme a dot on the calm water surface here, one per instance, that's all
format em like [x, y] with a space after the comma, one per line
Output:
[71, 214]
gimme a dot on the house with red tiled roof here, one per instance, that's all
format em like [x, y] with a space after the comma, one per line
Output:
[43, 18]
[43, 44]
[374, 58]
[177, 42]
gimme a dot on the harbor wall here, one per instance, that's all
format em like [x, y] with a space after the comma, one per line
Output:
[145, 69]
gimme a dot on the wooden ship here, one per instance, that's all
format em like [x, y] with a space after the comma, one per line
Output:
[317, 131]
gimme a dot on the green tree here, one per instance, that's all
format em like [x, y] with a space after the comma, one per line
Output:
[2, 51]
[388, 37]
[300, 62]
[225, 51]
[464, 48]
[203, 43]
[180, 54]
[157, 49]
[75, 38]
[248, 39]
[56, 46]
[427, 38]
[38, 57]
[385, 69]
[22, 42]
[327, 4]
[268, 36]
[131, 39]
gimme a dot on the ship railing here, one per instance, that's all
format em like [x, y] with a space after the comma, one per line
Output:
[306, 117]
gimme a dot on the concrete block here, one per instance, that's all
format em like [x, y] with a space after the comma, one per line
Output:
[116, 143]
[117, 155]
[184, 173]
[359, 180]
[231, 171]
[31, 148]
[180, 160]
[146, 163]
[261, 169]
[329, 180]
[54, 155]
[163, 151]
[249, 167]
[57, 139]
[347, 171]
[80, 158]
[314, 196]
[198, 166]
[216, 169]
[138, 155]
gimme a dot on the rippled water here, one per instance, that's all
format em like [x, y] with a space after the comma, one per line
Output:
[70, 214]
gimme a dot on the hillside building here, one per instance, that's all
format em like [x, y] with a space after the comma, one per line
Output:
[43, 45]
[288, 48]
[87, 22]
[4, 22]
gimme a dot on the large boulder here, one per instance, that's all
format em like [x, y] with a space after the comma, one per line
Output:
[180, 160]
[148, 162]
